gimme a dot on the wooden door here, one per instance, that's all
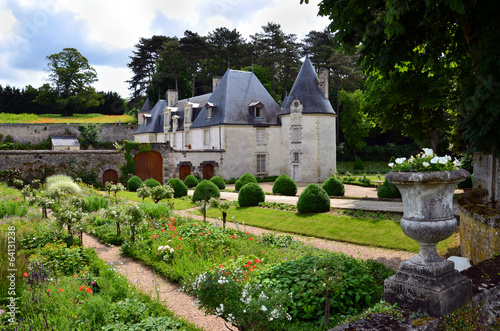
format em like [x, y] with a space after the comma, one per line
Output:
[208, 171]
[184, 171]
[109, 176]
[149, 165]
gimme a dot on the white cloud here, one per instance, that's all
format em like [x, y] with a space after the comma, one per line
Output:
[113, 79]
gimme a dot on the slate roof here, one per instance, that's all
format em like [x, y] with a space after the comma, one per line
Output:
[147, 106]
[64, 141]
[232, 98]
[306, 89]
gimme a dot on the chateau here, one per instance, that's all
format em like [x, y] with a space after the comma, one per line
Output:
[239, 128]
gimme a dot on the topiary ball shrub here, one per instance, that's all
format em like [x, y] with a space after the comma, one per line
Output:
[246, 178]
[219, 181]
[358, 165]
[206, 190]
[284, 185]
[180, 189]
[134, 183]
[250, 195]
[313, 200]
[151, 183]
[191, 181]
[333, 187]
[387, 191]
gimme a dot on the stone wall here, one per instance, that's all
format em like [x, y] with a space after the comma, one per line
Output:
[487, 177]
[36, 133]
[40, 164]
[479, 226]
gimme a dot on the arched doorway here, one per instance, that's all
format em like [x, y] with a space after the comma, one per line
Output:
[184, 171]
[110, 175]
[149, 165]
[208, 171]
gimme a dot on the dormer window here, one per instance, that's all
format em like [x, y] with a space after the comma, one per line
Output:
[257, 109]
[175, 125]
[210, 109]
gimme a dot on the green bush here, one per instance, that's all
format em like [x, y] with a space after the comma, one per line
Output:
[206, 190]
[191, 181]
[313, 200]
[151, 183]
[180, 189]
[334, 187]
[250, 195]
[358, 165]
[246, 178]
[219, 181]
[285, 185]
[388, 190]
[134, 183]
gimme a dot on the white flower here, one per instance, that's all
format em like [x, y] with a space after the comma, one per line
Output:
[457, 163]
[219, 310]
[425, 164]
[443, 160]
[428, 151]
[400, 160]
[263, 296]
[263, 308]
[435, 160]
[391, 164]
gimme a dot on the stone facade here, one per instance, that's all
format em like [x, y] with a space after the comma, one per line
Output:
[487, 177]
[39, 164]
[36, 133]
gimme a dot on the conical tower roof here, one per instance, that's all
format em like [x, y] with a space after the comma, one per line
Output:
[306, 89]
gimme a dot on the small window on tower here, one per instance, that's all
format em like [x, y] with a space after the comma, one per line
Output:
[296, 157]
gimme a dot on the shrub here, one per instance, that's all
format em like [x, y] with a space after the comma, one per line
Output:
[151, 183]
[134, 183]
[333, 186]
[388, 190]
[180, 189]
[313, 200]
[206, 190]
[219, 181]
[250, 195]
[285, 185]
[246, 178]
[161, 192]
[358, 165]
[191, 181]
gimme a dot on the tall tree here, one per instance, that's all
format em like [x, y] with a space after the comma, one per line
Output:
[438, 34]
[354, 123]
[144, 63]
[193, 48]
[230, 49]
[72, 76]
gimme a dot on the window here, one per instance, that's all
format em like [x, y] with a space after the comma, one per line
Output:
[261, 136]
[209, 113]
[257, 109]
[296, 135]
[186, 139]
[296, 157]
[206, 137]
[258, 112]
[261, 164]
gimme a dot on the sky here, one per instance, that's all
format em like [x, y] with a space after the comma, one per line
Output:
[105, 31]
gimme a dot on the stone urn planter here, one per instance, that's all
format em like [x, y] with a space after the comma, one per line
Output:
[427, 282]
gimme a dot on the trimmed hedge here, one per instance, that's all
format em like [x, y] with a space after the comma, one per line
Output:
[134, 183]
[219, 181]
[358, 164]
[313, 200]
[180, 189]
[388, 190]
[333, 187]
[246, 178]
[190, 181]
[151, 183]
[206, 190]
[250, 195]
[285, 185]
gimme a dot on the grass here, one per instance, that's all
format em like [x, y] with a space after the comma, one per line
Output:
[179, 204]
[361, 231]
[59, 119]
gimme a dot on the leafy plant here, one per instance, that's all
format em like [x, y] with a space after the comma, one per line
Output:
[223, 206]
[134, 183]
[206, 190]
[285, 185]
[190, 181]
[151, 182]
[333, 187]
[219, 181]
[425, 161]
[246, 178]
[313, 200]
[388, 190]
[358, 165]
[251, 194]
[160, 192]
[180, 189]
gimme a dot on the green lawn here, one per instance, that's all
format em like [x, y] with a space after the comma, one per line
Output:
[361, 231]
[179, 204]
[59, 119]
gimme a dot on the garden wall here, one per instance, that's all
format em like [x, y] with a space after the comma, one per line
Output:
[36, 133]
[40, 164]
[479, 226]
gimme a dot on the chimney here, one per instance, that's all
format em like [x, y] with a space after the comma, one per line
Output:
[323, 81]
[215, 82]
[172, 97]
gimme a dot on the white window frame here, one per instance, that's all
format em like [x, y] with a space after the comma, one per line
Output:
[209, 113]
[206, 137]
[261, 164]
[296, 132]
[260, 136]
[187, 137]
[296, 157]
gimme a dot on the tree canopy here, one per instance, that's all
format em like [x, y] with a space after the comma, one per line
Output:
[457, 36]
